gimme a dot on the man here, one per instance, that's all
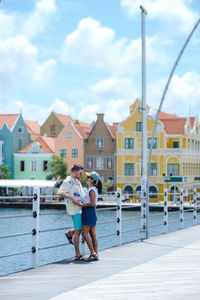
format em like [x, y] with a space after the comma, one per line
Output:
[71, 189]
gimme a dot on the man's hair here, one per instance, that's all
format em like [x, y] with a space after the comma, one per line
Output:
[76, 168]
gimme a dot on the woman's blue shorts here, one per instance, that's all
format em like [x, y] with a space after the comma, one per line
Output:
[89, 216]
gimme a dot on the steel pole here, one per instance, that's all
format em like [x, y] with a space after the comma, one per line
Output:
[144, 213]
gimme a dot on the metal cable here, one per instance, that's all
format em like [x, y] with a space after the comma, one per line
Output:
[16, 216]
[53, 213]
[107, 235]
[135, 229]
[106, 208]
[106, 222]
[131, 218]
[15, 235]
[55, 229]
[55, 246]
[13, 254]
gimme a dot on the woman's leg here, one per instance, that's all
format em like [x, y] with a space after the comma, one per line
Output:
[94, 239]
[85, 232]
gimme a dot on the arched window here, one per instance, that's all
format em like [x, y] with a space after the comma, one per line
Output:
[128, 190]
[152, 192]
[138, 191]
[173, 193]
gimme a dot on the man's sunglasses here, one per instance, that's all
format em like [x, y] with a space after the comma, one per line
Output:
[89, 177]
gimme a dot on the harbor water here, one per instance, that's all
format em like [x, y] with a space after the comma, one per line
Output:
[106, 226]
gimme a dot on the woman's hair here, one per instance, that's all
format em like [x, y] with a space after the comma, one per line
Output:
[98, 185]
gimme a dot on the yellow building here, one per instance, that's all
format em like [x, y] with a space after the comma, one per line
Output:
[175, 161]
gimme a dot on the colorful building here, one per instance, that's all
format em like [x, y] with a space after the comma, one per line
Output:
[54, 124]
[100, 148]
[175, 159]
[33, 128]
[13, 137]
[31, 162]
[69, 144]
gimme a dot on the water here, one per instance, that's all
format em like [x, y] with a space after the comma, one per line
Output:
[130, 232]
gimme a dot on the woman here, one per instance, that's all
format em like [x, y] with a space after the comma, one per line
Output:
[89, 217]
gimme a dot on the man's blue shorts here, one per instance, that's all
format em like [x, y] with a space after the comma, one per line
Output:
[77, 221]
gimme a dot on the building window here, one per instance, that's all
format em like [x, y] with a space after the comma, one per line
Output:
[100, 163]
[33, 166]
[138, 191]
[21, 130]
[138, 126]
[90, 163]
[69, 135]
[128, 169]
[140, 110]
[44, 165]
[74, 153]
[128, 143]
[22, 166]
[152, 192]
[109, 163]
[99, 143]
[63, 153]
[175, 144]
[173, 170]
[35, 148]
[153, 169]
[128, 190]
[154, 143]
[188, 143]
[192, 144]
[52, 131]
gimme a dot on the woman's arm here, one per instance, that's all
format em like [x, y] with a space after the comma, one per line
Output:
[92, 201]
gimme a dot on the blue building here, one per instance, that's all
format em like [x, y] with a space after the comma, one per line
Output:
[13, 137]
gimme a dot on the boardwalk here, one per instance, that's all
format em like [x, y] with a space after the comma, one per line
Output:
[163, 267]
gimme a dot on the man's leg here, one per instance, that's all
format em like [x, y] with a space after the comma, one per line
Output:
[76, 242]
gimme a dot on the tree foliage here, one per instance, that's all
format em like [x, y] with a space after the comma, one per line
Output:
[57, 168]
[4, 172]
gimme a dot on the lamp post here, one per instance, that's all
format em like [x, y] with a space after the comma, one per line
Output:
[144, 212]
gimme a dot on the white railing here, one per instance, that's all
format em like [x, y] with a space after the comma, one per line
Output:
[169, 212]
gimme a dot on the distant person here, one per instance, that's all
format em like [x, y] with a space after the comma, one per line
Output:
[89, 217]
[72, 190]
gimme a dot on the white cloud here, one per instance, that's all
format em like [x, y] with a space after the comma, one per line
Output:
[93, 45]
[175, 13]
[7, 24]
[40, 18]
[183, 95]
[19, 65]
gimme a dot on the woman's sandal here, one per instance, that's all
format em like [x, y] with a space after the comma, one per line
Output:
[92, 257]
[80, 257]
[69, 237]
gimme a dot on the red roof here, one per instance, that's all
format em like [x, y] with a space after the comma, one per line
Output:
[83, 128]
[113, 129]
[47, 144]
[176, 125]
[9, 119]
[33, 127]
[63, 118]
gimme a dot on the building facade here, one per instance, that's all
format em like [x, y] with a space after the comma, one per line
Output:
[175, 161]
[13, 137]
[69, 144]
[31, 162]
[54, 124]
[100, 148]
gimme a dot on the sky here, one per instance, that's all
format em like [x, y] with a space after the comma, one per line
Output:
[83, 57]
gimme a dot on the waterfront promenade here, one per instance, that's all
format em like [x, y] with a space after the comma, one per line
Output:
[163, 267]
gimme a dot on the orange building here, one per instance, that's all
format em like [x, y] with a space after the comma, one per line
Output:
[69, 144]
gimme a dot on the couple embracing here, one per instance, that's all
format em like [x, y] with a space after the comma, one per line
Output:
[82, 208]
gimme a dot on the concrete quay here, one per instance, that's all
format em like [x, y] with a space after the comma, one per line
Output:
[164, 267]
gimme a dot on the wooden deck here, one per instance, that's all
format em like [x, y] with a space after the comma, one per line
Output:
[162, 267]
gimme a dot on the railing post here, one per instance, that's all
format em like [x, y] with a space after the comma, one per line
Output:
[165, 210]
[195, 206]
[181, 209]
[35, 231]
[119, 217]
